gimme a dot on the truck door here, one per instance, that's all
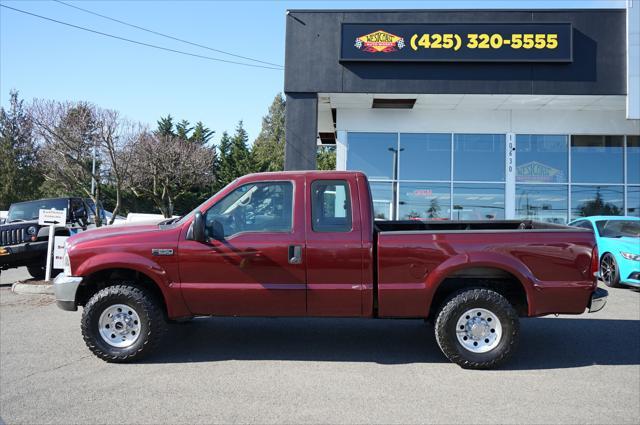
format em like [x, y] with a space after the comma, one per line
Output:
[258, 268]
[334, 248]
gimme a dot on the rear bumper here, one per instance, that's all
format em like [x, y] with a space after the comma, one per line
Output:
[65, 288]
[598, 300]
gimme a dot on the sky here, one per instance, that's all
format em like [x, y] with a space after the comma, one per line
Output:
[43, 59]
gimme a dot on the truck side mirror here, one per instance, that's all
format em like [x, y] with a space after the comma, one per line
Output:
[198, 228]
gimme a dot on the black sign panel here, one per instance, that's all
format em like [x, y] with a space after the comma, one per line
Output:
[513, 42]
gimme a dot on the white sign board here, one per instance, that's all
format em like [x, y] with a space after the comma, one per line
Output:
[58, 251]
[52, 217]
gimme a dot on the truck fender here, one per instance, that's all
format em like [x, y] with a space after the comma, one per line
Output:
[494, 260]
[114, 260]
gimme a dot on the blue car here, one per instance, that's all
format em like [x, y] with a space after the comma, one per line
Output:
[618, 240]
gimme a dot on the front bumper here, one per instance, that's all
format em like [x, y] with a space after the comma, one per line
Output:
[65, 288]
[598, 300]
[22, 254]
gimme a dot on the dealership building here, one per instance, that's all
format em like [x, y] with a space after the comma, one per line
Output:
[471, 114]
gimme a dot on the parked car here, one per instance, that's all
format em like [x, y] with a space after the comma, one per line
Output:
[306, 244]
[23, 242]
[618, 240]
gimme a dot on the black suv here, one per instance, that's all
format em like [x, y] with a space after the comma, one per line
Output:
[23, 242]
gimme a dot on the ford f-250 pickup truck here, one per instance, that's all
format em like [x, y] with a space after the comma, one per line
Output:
[306, 244]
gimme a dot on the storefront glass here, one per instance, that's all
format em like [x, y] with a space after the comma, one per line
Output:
[372, 153]
[633, 159]
[596, 200]
[542, 202]
[541, 158]
[478, 157]
[597, 159]
[425, 156]
[478, 201]
[633, 200]
[382, 194]
[430, 201]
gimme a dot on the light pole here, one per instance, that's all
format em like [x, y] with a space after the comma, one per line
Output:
[394, 193]
[93, 172]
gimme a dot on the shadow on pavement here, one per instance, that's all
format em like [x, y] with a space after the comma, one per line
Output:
[545, 343]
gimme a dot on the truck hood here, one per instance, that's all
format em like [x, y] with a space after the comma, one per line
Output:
[18, 224]
[110, 232]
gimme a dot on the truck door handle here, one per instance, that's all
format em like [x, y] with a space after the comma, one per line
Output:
[295, 254]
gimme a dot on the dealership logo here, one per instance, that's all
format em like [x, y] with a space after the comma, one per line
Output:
[536, 171]
[379, 41]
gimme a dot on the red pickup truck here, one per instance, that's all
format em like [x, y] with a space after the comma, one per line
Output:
[306, 244]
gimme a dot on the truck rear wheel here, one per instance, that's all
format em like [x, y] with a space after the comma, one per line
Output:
[122, 323]
[477, 329]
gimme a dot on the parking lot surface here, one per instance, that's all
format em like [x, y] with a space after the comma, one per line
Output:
[569, 369]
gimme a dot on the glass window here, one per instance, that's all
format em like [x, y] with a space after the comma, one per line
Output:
[633, 159]
[430, 201]
[596, 200]
[633, 201]
[596, 159]
[541, 158]
[330, 206]
[372, 153]
[477, 201]
[254, 207]
[382, 195]
[479, 157]
[425, 156]
[542, 202]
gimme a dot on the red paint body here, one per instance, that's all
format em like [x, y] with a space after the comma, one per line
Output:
[360, 273]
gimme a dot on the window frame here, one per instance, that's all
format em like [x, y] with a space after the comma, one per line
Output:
[314, 208]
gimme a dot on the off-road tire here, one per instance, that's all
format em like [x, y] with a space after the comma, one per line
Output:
[614, 281]
[446, 322]
[37, 272]
[152, 322]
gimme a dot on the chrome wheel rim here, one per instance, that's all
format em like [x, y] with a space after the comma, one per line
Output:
[119, 325]
[478, 330]
[608, 269]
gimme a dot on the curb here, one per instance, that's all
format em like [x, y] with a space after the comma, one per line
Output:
[27, 288]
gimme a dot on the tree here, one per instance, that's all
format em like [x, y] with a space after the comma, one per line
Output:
[114, 138]
[20, 176]
[225, 173]
[201, 134]
[268, 148]
[165, 126]
[183, 130]
[70, 138]
[326, 158]
[167, 168]
[239, 154]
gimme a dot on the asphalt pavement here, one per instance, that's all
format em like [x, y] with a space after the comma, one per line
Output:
[568, 369]
[8, 277]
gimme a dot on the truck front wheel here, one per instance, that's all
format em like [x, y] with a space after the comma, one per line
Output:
[122, 323]
[477, 329]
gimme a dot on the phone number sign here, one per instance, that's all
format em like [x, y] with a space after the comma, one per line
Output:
[521, 42]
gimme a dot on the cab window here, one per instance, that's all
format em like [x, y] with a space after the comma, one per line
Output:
[254, 207]
[330, 206]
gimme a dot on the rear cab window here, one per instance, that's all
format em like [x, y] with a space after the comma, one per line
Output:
[330, 206]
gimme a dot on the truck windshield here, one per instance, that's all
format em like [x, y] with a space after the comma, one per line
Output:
[618, 228]
[29, 210]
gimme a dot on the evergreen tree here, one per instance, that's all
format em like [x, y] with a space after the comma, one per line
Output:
[201, 134]
[326, 158]
[268, 148]
[225, 172]
[165, 126]
[21, 176]
[239, 155]
[183, 130]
